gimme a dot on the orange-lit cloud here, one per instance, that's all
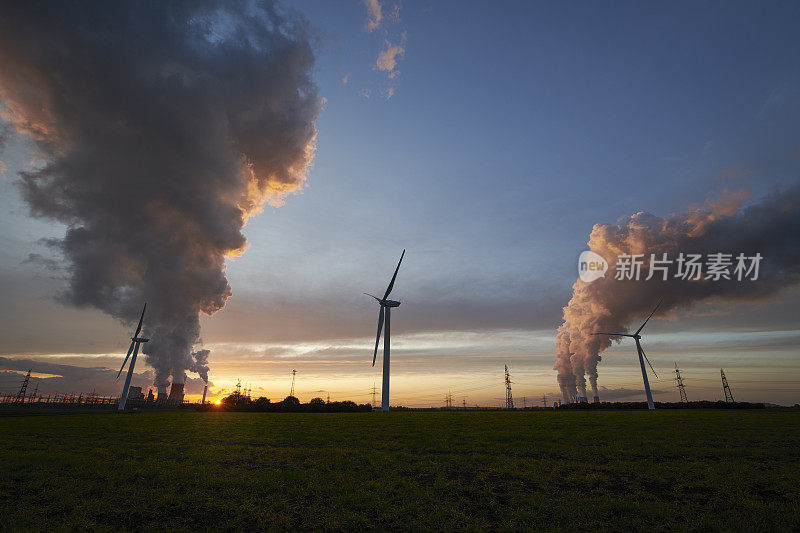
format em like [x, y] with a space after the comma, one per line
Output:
[387, 58]
[374, 14]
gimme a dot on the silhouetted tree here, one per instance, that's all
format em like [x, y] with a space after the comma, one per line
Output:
[317, 405]
[261, 404]
[290, 403]
[236, 402]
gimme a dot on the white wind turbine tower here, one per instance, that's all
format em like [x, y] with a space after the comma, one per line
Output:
[639, 349]
[386, 308]
[135, 342]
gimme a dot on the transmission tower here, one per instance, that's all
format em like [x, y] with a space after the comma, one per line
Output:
[21, 394]
[291, 392]
[238, 387]
[679, 379]
[544, 400]
[448, 400]
[509, 397]
[374, 394]
[725, 388]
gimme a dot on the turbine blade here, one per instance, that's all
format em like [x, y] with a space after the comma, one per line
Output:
[376, 298]
[141, 318]
[126, 358]
[378, 337]
[648, 362]
[613, 334]
[391, 283]
[651, 314]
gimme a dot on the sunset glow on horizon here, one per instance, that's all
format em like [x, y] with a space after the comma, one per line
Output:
[251, 187]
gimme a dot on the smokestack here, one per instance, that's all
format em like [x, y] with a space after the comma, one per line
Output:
[175, 394]
[767, 228]
[204, 394]
[162, 130]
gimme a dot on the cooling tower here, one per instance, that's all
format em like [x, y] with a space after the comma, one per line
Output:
[175, 394]
[597, 399]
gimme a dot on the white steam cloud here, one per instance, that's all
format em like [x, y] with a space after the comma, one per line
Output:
[770, 227]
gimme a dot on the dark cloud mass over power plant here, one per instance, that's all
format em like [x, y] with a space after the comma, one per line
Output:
[160, 127]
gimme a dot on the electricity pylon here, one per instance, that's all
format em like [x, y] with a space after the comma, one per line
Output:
[21, 394]
[374, 394]
[679, 379]
[509, 397]
[725, 388]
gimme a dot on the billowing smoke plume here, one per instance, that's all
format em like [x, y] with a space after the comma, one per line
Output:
[769, 227]
[161, 127]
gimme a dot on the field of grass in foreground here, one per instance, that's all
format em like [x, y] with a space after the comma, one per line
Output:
[619, 470]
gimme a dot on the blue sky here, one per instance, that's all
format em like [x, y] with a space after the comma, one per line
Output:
[511, 130]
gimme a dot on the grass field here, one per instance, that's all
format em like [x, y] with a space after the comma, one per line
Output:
[617, 470]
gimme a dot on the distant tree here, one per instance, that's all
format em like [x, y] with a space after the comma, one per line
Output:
[290, 403]
[235, 402]
[261, 404]
[317, 405]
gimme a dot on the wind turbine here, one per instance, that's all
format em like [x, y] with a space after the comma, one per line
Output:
[386, 308]
[135, 342]
[639, 349]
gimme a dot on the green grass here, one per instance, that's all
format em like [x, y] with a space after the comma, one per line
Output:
[618, 470]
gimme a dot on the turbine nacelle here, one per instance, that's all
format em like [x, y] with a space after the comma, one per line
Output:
[139, 339]
[384, 302]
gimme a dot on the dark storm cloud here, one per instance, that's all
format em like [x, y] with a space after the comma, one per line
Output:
[161, 127]
[769, 227]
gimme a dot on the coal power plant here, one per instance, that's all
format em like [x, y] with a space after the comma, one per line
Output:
[135, 399]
